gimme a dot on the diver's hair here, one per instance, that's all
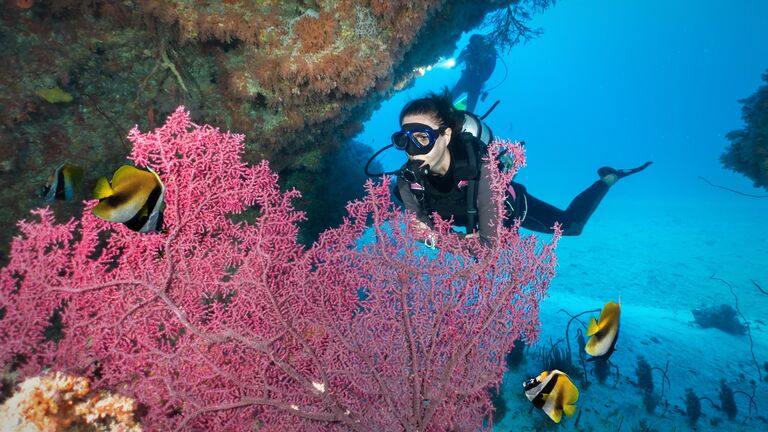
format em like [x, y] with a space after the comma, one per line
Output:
[439, 106]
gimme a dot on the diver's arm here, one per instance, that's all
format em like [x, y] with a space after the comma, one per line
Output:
[412, 204]
[422, 224]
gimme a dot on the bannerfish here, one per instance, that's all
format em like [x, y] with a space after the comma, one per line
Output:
[554, 393]
[604, 332]
[62, 183]
[134, 198]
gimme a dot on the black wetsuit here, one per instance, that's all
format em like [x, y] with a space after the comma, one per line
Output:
[480, 60]
[444, 195]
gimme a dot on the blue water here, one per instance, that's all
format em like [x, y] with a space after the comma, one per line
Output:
[618, 83]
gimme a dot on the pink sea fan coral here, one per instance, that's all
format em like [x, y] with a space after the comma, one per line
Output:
[221, 324]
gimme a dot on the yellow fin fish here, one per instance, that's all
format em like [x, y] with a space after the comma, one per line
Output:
[134, 198]
[604, 332]
[554, 393]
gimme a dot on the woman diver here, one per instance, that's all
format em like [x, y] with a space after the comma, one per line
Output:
[445, 174]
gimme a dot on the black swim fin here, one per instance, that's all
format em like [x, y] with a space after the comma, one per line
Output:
[621, 173]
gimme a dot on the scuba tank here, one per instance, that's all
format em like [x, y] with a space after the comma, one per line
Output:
[467, 156]
[475, 126]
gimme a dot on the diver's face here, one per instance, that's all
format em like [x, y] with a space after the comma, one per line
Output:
[439, 153]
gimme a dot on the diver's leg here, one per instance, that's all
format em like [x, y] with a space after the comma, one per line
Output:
[472, 96]
[541, 217]
[460, 87]
[612, 175]
[582, 207]
[473, 93]
[585, 203]
[536, 215]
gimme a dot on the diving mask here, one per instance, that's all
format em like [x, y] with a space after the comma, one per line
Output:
[416, 138]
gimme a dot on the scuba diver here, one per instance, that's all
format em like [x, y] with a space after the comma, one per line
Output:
[445, 174]
[479, 58]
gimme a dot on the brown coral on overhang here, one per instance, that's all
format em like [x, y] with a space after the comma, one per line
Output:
[315, 32]
[296, 77]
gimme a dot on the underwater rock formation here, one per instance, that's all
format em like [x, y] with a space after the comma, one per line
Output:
[748, 152]
[297, 77]
[721, 317]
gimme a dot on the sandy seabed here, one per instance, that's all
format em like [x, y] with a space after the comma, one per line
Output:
[658, 258]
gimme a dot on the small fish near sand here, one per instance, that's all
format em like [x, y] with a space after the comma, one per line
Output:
[603, 332]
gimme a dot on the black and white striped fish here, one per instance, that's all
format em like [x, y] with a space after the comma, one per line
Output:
[62, 183]
[554, 393]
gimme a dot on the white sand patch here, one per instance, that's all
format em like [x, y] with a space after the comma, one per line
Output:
[658, 258]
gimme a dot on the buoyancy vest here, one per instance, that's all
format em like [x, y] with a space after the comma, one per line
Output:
[451, 202]
[460, 201]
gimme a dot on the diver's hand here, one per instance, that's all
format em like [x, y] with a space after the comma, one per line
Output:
[430, 240]
[423, 231]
